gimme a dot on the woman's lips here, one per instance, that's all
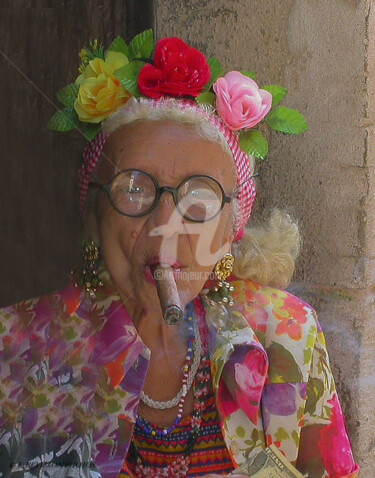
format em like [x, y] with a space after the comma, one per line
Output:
[153, 261]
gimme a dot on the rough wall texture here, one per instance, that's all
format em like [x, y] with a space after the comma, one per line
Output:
[324, 53]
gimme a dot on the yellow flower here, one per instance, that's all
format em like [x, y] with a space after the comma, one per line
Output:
[83, 55]
[100, 92]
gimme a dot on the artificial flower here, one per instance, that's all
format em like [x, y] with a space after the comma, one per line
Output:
[178, 71]
[100, 92]
[240, 102]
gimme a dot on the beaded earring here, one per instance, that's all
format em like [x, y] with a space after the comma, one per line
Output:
[87, 273]
[221, 293]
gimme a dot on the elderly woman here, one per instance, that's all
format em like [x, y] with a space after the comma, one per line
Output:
[170, 353]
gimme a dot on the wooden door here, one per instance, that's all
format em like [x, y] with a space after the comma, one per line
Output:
[40, 228]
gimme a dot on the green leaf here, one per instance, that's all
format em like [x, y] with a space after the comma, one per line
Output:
[113, 406]
[295, 437]
[206, 98]
[68, 94]
[40, 400]
[91, 130]
[315, 390]
[281, 435]
[307, 356]
[120, 46]
[97, 49]
[283, 367]
[142, 45]
[69, 401]
[216, 72]
[286, 120]
[300, 412]
[128, 76]
[241, 432]
[64, 120]
[277, 92]
[250, 74]
[254, 143]
[311, 338]
[249, 443]
[327, 411]
[70, 333]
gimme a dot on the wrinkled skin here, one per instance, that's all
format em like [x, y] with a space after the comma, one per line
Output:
[170, 152]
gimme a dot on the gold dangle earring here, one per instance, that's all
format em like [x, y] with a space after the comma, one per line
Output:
[87, 273]
[221, 293]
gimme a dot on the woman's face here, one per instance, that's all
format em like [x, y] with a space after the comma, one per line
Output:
[170, 152]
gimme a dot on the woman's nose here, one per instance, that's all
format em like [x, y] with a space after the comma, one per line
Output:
[165, 220]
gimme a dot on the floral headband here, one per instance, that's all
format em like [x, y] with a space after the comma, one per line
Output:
[108, 79]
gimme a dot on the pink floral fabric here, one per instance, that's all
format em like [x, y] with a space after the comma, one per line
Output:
[298, 408]
[73, 367]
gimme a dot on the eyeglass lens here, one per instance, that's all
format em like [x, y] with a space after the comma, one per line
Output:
[199, 198]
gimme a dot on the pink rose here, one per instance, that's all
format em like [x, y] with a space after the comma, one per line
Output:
[240, 102]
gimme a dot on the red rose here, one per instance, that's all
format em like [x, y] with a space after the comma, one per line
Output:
[178, 70]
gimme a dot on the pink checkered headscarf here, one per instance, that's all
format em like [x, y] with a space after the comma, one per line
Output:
[246, 192]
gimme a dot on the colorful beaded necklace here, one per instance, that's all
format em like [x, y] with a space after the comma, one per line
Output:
[194, 351]
[180, 466]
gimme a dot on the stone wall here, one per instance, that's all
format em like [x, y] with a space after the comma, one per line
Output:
[323, 52]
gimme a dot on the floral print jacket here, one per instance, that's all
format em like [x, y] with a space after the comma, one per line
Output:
[73, 367]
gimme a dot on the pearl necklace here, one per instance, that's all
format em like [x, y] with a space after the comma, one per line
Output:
[197, 358]
[189, 372]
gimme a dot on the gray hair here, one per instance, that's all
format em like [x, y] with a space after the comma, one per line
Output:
[141, 110]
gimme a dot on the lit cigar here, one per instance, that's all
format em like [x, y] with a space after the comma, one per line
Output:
[167, 293]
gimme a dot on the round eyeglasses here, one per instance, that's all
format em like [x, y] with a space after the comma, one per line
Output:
[135, 193]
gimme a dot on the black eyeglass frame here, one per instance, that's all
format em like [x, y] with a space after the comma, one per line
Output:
[159, 191]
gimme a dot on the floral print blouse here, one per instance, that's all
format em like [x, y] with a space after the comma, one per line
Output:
[73, 367]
